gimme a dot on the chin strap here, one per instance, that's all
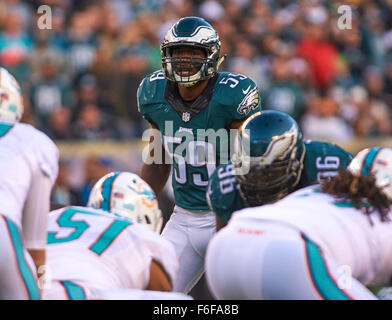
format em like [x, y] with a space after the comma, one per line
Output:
[221, 59]
[188, 84]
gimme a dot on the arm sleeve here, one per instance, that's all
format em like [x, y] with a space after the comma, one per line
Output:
[36, 210]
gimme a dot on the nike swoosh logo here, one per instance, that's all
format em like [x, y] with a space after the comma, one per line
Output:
[246, 91]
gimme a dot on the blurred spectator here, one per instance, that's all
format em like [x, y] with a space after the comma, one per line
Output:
[354, 59]
[123, 11]
[94, 168]
[59, 126]
[374, 83]
[15, 44]
[62, 192]
[50, 91]
[103, 48]
[183, 8]
[82, 41]
[57, 36]
[87, 91]
[22, 8]
[374, 115]
[133, 66]
[211, 10]
[284, 94]
[245, 62]
[343, 77]
[92, 125]
[373, 32]
[316, 48]
[108, 40]
[388, 84]
[373, 120]
[322, 121]
[42, 50]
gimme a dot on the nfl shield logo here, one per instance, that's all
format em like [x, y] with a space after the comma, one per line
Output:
[186, 116]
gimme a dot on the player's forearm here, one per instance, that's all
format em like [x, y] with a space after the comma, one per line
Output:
[155, 175]
[159, 280]
[219, 223]
[38, 256]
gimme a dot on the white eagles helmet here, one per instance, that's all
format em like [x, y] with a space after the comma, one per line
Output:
[268, 157]
[11, 104]
[128, 195]
[193, 32]
[378, 162]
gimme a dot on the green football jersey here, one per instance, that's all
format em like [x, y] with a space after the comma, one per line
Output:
[322, 160]
[196, 135]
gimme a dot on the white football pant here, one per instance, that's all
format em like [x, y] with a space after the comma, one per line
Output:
[271, 261]
[190, 233]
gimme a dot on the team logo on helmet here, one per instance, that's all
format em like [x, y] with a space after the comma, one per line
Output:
[250, 102]
[126, 194]
[273, 155]
[147, 196]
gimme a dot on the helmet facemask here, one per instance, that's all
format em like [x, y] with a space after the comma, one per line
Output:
[198, 69]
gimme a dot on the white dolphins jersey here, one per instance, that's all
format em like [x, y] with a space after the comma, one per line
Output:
[338, 228]
[23, 151]
[101, 250]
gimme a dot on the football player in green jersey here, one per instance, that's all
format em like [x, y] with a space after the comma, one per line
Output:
[280, 162]
[183, 101]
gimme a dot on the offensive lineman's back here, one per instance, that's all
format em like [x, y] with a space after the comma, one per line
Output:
[338, 227]
[23, 151]
[29, 167]
[322, 242]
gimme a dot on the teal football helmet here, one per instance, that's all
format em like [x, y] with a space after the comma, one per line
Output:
[270, 146]
[192, 32]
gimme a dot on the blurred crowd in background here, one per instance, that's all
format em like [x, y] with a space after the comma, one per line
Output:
[80, 78]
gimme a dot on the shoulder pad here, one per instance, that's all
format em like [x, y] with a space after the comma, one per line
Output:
[239, 92]
[323, 159]
[326, 148]
[152, 89]
[45, 150]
